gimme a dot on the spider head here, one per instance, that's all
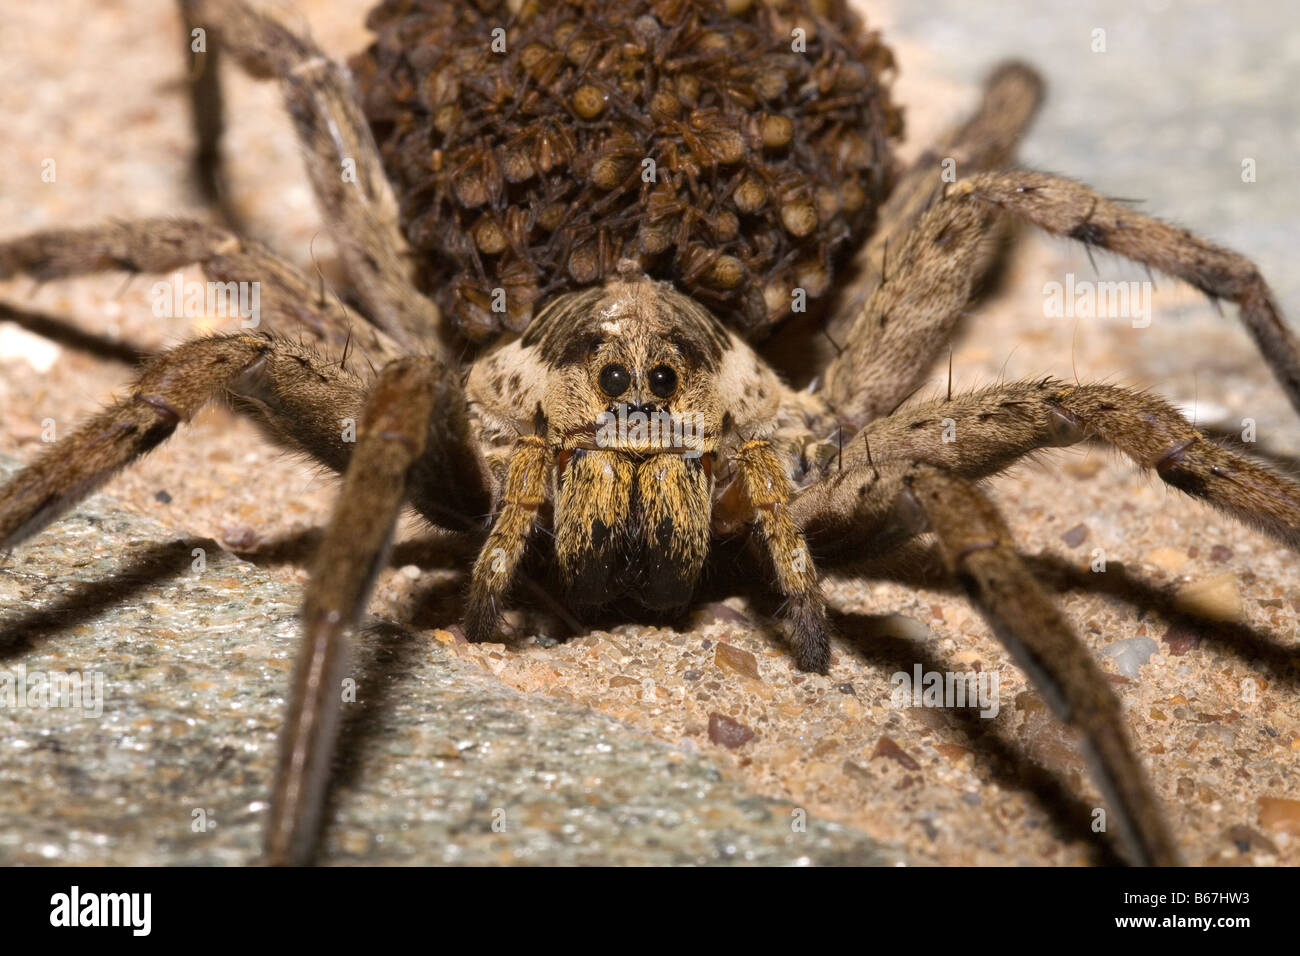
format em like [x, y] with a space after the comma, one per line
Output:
[632, 408]
[632, 367]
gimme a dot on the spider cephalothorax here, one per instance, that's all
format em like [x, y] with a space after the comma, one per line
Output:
[733, 147]
[631, 391]
[630, 426]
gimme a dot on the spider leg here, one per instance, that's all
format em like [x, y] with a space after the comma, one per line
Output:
[296, 398]
[391, 439]
[992, 428]
[498, 560]
[761, 495]
[400, 451]
[207, 111]
[986, 140]
[342, 162]
[1064, 207]
[170, 390]
[906, 321]
[888, 503]
[287, 300]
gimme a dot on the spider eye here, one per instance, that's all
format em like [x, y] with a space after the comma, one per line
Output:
[663, 381]
[614, 380]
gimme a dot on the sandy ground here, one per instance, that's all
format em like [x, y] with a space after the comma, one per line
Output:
[1195, 618]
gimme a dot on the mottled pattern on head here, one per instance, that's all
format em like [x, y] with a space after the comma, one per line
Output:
[633, 310]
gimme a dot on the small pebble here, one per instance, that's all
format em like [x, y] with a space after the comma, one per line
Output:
[1168, 559]
[1131, 654]
[887, 748]
[738, 661]
[1216, 598]
[1076, 535]
[953, 752]
[1280, 815]
[240, 538]
[730, 733]
[1180, 639]
[163, 497]
[725, 612]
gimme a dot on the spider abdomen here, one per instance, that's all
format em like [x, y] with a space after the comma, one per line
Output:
[732, 148]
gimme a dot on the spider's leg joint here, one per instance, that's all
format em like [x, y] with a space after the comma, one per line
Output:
[907, 516]
[168, 414]
[1063, 427]
[1175, 454]
[960, 557]
[964, 187]
[1089, 233]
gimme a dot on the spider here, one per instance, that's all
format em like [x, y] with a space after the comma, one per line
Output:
[607, 432]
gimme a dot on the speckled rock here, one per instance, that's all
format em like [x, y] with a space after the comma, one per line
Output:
[164, 753]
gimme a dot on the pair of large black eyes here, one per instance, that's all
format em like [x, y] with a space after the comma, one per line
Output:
[615, 379]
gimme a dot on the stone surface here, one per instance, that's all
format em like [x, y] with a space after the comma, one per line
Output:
[1214, 710]
[164, 753]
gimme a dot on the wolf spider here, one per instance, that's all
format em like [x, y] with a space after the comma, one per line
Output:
[818, 478]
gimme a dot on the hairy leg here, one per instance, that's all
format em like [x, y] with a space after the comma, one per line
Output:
[342, 162]
[979, 434]
[170, 390]
[905, 322]
[498, 561]
[887, 504]
[288, 302]
[910, 316]
[298, 399]
[207, 113]
[390, 440]
[760, 496]
[987, 140]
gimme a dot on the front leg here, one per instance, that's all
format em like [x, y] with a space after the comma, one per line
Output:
[760, 495]
[897, 500]
[391, 439]
[498, 561]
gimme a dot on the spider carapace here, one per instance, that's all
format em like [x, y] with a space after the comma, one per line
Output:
[602, 209]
